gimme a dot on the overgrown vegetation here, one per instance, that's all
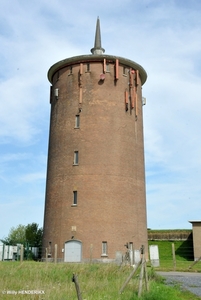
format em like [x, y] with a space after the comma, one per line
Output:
[97, 281]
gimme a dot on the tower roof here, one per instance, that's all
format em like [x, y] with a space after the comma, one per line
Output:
[97, 43]
[97, 55]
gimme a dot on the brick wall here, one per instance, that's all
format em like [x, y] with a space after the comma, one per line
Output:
[109, 178]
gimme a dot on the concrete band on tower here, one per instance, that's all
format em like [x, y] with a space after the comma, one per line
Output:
[96, 58]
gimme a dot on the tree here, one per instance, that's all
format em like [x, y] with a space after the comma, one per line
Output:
[16, 235]
[30, 234]
[34, 235]
[33, 239]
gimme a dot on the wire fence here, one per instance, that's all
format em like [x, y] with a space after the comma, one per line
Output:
[181, 256]
[176, 255]
[20, 252]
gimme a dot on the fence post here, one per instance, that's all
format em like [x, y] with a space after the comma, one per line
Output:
[55, 253]
[75, 280]
[3, 252]
[195, 262]
[22, 253]
[141, 272]
[91, 252]
[146, 276]
[130, 276]
[46, 254]
[173, 255]
[17, 252]
[141, 278]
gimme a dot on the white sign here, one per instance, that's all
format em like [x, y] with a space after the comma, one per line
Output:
[154, 255]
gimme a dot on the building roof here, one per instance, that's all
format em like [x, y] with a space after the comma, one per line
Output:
[96, 56]
[197, 221]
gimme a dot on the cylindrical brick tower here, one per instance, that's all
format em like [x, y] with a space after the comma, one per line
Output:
[95, 191]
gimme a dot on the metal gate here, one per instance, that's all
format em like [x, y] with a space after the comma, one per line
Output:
[73, 251]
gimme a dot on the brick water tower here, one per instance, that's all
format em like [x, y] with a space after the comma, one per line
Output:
[95, 191]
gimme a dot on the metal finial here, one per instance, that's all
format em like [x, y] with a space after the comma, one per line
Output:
[97, 43]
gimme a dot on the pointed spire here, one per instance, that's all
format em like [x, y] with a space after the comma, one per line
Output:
[97, 43]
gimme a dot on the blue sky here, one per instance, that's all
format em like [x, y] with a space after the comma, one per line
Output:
[162, 36]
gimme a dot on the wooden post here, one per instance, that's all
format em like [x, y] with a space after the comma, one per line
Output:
[91, 252]
[130, 276]
[173, 255]
[75, 280]
[22, 253]
[141, 272]
[55, 253]
[141, 279]
[195, 262]
[146, 276]
[3, 252]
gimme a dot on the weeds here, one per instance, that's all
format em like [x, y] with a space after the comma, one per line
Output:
[97, 282]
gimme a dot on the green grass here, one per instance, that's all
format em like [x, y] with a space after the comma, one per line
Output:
[183, 252]
[97, 281]
[183, 249]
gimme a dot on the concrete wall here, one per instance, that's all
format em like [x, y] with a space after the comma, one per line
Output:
[196, 239]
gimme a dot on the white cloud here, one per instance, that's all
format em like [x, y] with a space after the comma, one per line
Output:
[32, 177]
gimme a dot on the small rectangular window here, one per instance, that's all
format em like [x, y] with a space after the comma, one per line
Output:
[125, 71]
[77, 121]
[104, 248]
[74, 197]
[88, 67]
[107, 68]
[75, 158]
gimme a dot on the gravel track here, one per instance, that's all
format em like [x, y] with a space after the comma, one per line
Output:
[187, 280]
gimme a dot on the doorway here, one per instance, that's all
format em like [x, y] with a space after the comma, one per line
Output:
[73, 251]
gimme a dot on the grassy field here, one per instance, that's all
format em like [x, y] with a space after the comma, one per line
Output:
[97, 281]
[183, 254]
[183, 249]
